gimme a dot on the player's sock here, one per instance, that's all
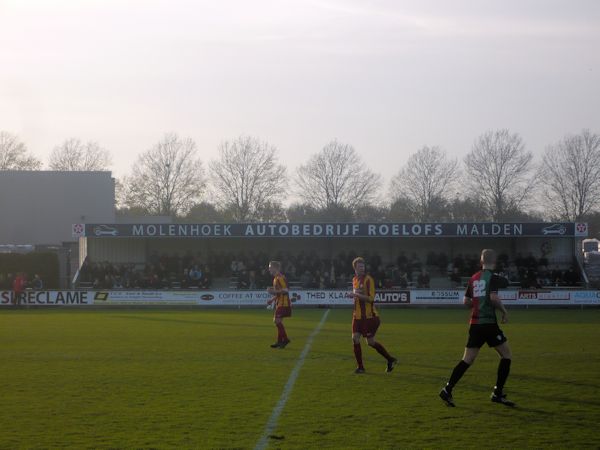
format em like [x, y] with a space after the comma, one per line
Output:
[358, 355]
[284, 336]
[503, 371]
[382, 351]
[457, 374]
[281, 336]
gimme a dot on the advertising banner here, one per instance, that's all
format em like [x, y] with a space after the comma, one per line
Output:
[329, 230]
[48, 298]
[140, 297]
[426, 297]
[437, 296]
[585, 297]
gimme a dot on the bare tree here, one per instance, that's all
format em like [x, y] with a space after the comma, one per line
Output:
[272, 211]
[427, 180]
[74, 155]
[570, 171]
[205, 212]
[14, 154]
[467, 209]
[300, 212]
[402, 209]
[168, 179]
[371, 212]
[499, 171]
[336, 177]
[246, 178]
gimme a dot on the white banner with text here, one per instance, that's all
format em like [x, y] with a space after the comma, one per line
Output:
[432, 297]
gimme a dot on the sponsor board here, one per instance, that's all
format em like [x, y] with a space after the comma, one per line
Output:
[386, 296]
[257, 298]
[437, 296]
[544, 295]
[509, 296]
[315, 230]
[146, 297]
[234, 298]
[585, 297]
[187, 297]
[340, 297]
[48, 298]
[325, 297]
[301, 297]
[527, 295]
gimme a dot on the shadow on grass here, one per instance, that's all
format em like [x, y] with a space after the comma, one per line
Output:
[195, 322]
[534, 414]
[562, 382]
[268, 323]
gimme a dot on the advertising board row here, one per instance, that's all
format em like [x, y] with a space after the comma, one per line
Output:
[438, 297]
[330, 230]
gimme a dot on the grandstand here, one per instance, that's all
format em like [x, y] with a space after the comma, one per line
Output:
[318, 256]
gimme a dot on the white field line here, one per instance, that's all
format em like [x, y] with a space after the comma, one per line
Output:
[287, 390]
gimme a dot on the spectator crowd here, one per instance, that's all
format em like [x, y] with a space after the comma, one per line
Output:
[308, 270]
[20, 280]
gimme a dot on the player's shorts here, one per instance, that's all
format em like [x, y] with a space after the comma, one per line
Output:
[283, 311]
[366, 327]
[489, 333]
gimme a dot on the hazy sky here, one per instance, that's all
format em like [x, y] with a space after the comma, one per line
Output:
[386, 76]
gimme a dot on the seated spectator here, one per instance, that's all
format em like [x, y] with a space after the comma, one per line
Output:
[252, 279]
[206, 282]
[243, 280]
[423, 279]
[332, 275]
[571, 277]
[327, 281]
[108, 282]
[37, 283]
[529, 280]
[512, 273]
[306, 280]
[341, 282]
[544, 276]
[455, 278]
[401, 279]
[556, 276]
[234, 267]
[185, 278]
[195, 275]
[155, 282]
[117, 283]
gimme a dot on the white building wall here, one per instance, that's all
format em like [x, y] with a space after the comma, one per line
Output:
[39, 207]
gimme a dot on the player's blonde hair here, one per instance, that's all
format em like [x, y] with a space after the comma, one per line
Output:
[357, 260]
[488, 256]
[275, 264]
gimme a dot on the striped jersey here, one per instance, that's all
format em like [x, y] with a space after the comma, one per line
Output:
[364, 309]
[280, 282]
[480, 286]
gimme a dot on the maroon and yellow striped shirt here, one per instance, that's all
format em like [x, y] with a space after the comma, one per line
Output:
[279, 282]
[364, 309]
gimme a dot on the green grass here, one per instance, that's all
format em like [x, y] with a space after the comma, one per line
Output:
[207, 378]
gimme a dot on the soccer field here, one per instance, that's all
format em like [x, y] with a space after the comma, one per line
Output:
[207, 378]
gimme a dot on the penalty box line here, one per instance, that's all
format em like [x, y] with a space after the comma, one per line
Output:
[287, 390]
